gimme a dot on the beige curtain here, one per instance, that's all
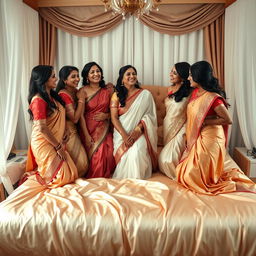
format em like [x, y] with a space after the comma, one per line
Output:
[171, 19]
[47, 42]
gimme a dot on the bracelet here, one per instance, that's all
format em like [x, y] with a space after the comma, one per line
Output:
[58, 147]
[137, 128]
[81, 101]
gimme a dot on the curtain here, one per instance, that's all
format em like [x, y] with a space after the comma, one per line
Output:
[11, 66]
[152, 53]
[240, 66]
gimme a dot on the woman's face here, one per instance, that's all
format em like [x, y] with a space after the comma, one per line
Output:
[130, 77]
[174, 76]
[51, 82]
[192, 82]
[73, 79]
[94, 75]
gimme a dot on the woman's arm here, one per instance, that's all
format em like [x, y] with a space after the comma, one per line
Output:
[222, 117]
[43, 128]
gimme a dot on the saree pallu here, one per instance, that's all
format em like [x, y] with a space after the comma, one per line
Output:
[202, 167]
[100, 154]
[76, 149]
[51, 170]
[138, 160]
[174, 131]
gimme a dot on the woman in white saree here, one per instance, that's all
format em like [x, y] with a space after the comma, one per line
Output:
[175, 119]
[133, 115]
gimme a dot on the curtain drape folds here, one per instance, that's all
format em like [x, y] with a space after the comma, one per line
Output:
[47, 42]
[214, 46]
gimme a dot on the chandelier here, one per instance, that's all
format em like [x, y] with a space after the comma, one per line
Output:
[132, 7]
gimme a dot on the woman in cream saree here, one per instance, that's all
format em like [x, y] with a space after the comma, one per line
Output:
[202, 167]
[175, 120]
[48, 161]
[74, 104]
[134, 119]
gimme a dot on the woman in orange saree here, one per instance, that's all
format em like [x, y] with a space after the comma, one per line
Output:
[74, 104]
[95, 132]
[48, 160]
[202, 167]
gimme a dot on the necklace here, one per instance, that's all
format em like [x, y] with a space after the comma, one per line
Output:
[196, 96]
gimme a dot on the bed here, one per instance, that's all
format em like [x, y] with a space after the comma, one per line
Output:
[127, 217]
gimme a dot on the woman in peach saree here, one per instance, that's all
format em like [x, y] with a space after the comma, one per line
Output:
[48, 161]
[74, 104]
[95, 131]
[174, 125]
[202, 167]
[133, 115]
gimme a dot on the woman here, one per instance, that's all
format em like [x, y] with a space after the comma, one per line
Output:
[47, 157]
[133, 115]
[95, 122]
[202, 166]
[175, 119]
[74, 104]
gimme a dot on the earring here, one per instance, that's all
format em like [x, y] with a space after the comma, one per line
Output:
[87, 81]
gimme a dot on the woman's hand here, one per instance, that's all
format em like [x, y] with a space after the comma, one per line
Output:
[81, 94]
[134, 135]
[89, 141]
[66, 136]
[100, 116]
[127, 140]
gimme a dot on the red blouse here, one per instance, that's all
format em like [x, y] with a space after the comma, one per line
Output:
[217, 102]
[66, 98]
[39, 109]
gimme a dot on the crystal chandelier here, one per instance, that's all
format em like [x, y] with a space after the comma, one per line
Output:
[132, 7]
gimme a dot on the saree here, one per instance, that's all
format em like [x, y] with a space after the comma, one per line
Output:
[100, 154]
[74, 145]
[43, 162]
[202, 168]
[173, 131]
[138, 160]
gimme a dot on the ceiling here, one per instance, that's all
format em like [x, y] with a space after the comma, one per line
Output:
[35, 4]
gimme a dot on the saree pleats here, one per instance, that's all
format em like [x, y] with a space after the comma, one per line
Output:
[53, 172]
[76, 149]
[202, 167]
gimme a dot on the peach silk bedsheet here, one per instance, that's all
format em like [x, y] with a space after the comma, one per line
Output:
[126, 217]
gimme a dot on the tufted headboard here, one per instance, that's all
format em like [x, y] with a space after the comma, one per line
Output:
[159, 94]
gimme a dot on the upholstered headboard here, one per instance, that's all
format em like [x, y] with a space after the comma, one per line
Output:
[159, 94]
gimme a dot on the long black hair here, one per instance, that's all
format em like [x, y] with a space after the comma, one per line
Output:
[85, 73]
[182, 69]
[63, 75]
[39, 76]
[202, 73]
[121, 90]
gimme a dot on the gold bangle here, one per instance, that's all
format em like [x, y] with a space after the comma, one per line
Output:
[58, 147]
[137, 128]
[81, 101]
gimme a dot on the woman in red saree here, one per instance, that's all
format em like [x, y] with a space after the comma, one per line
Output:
[74, 105]
[48, 161]
[95, 122]
[202, 167]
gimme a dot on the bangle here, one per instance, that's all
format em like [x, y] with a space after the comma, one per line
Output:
[137, 128]
[58, 147]
[81, 101]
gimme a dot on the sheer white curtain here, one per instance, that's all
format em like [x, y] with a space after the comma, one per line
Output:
[240, 66]
[11, 66]
[11, 73]
[30, 59]
[152, 53]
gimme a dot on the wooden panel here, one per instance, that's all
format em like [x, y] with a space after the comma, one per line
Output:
[32, 4]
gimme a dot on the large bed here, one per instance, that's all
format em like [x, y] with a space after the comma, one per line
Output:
[127, 217]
